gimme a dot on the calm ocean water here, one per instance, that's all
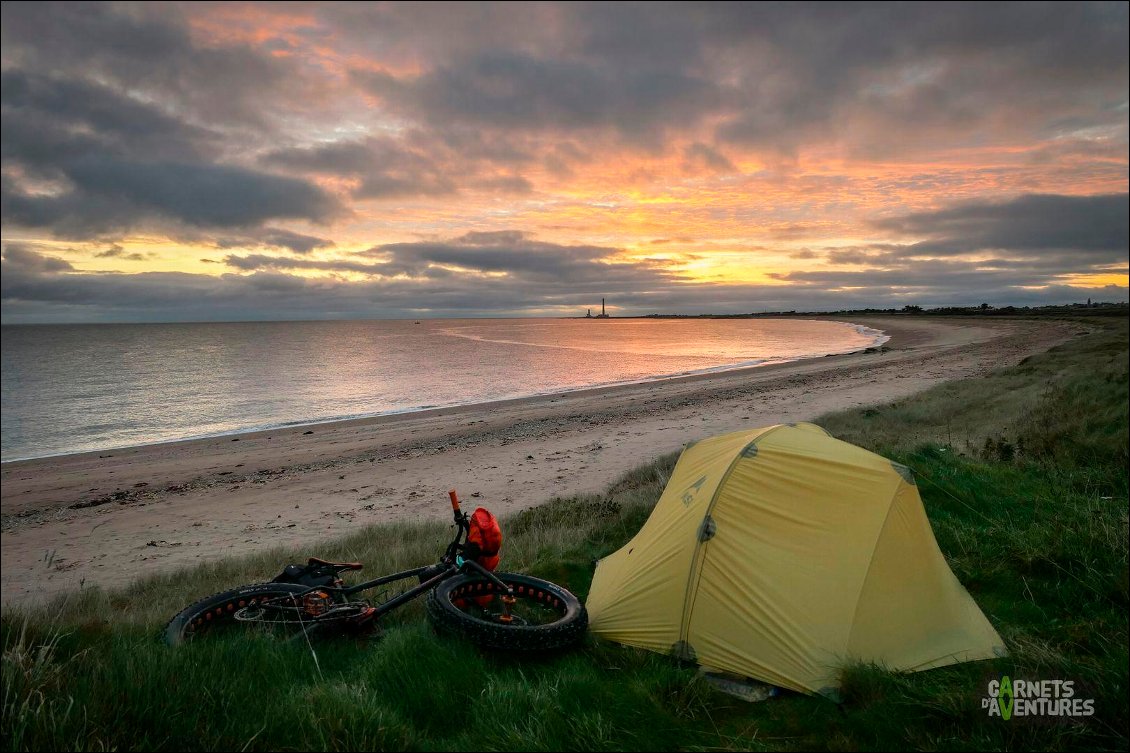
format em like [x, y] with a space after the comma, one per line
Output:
[87, 387]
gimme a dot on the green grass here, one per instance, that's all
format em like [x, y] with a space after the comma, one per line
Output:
[1023, 474]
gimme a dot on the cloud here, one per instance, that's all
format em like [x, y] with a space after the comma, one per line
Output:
[296, 242]
[520, 258]
[112, 195]
[334, 158]
[119, 163]
[383, 168]
[771, 76]
[262, 262]
[512, 259]
[288, 138]
[1033, 241]
[699, 156]
[502, 273]
[932, 74]
[117, 252]
[149, 48]
[273, 237]
[508, 184]
[267, 294]
[105, 103]
[49, 121]
[514, 91]
[926, 277]
[22, 260]
[1078, 229]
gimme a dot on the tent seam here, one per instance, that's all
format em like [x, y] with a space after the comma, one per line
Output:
[871, 562]
[688, 596]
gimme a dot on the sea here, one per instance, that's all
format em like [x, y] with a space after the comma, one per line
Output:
[77, 388]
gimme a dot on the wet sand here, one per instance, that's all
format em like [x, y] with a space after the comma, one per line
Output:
[106, 518]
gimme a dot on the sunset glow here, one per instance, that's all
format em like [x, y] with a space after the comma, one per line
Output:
[235, 160]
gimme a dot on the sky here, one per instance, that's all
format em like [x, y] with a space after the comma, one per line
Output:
[245, 161]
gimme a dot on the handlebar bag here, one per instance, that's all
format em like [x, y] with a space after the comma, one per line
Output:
[486, 536]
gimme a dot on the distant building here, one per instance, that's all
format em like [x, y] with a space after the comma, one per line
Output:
[603, 314]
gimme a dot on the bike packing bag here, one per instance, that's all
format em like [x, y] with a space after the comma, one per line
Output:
[484, 538]
[306, 575]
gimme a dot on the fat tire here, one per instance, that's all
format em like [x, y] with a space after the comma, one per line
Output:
[564, 632]
[221, 606]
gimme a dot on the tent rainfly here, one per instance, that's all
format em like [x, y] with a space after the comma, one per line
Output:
[782, 554]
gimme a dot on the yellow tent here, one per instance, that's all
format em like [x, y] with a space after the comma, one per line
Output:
[783, 553]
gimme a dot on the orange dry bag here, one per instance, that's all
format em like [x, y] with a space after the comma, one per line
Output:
[486, 538]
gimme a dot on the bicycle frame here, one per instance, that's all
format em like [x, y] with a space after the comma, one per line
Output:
[396, 601]
[450, 564]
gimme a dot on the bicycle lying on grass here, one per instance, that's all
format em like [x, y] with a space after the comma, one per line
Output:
[495, 610]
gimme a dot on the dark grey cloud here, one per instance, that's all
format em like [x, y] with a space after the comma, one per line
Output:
[923, 276]
[416, 164]
[117, 252]
[271, 294]
[106, 102]
[881, 78]
[383, 167]
[1029, 241]
[148, 47]
[511, 90]
[889, 77]
[521, 259]
[265, 262]
[517, 261]
[296, 242]
[345, 158]
[1077, 229]
[22, 260]
[49, 120]
[124, 161]
[206, 195]
[853, 256]
[273, 237]
[111, 195]
[699, 155]
[511, 272]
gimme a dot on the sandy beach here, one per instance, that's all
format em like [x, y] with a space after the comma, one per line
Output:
[106, 518]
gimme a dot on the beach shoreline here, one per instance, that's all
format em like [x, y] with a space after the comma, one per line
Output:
[106, 517]
[878, 338]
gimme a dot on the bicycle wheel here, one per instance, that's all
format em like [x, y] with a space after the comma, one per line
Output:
[543, 617]
[238, 607]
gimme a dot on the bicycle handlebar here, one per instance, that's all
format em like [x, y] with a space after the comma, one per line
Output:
[454, 501]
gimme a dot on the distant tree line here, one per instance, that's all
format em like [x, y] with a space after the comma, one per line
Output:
[1103, 308]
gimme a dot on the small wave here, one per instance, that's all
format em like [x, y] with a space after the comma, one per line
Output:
[256, 417]
[499, 341]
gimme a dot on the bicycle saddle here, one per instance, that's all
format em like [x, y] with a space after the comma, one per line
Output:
[335, 565]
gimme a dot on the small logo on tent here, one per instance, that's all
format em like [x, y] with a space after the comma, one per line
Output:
[1008, 698]
[692, 491]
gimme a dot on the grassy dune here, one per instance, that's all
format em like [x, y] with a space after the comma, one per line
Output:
[1024, 476]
